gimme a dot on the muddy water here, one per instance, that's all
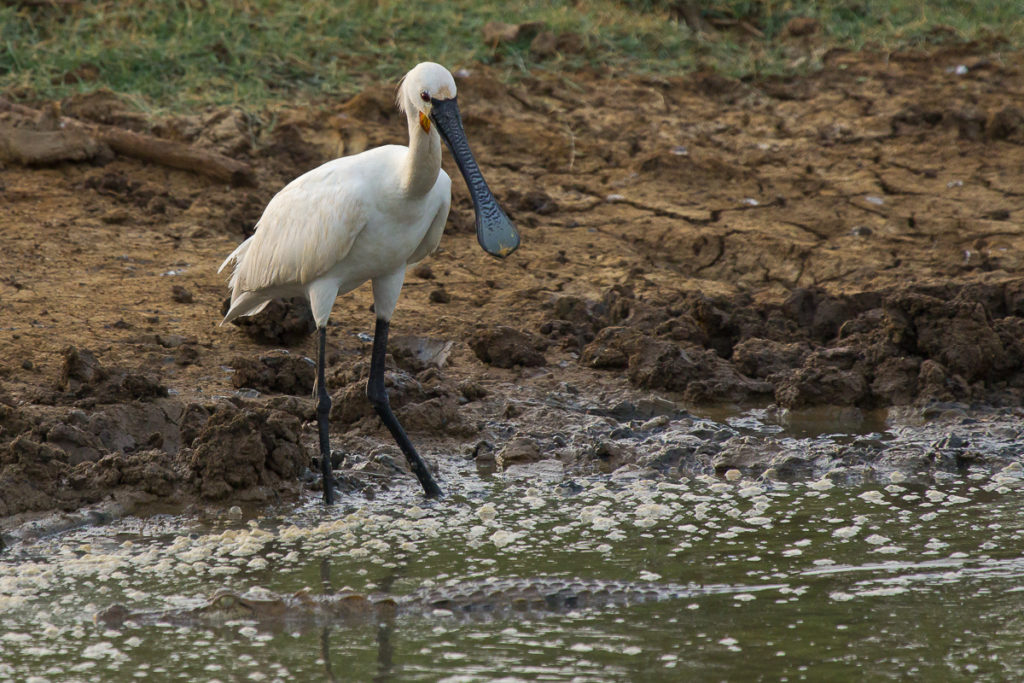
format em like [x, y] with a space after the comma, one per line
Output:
[895, 576]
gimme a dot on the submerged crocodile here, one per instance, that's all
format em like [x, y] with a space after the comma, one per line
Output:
[471, 599]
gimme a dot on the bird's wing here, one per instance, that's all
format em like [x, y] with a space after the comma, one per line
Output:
[433, 237]
[306, 229]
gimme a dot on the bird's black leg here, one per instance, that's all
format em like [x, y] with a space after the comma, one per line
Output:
[323, 413]
[378, 396]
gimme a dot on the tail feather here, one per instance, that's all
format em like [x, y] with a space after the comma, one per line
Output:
[246, 303]
[237, 255]
[242, 303]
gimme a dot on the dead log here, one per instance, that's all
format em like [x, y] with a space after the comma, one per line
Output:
[176, 155]
[18, 144]
[30, 147]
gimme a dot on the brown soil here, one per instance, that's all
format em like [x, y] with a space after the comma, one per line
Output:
[852, 238]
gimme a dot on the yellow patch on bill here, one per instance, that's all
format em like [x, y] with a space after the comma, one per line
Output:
[424, 122]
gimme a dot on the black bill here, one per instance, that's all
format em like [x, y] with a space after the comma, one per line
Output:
[494, 230]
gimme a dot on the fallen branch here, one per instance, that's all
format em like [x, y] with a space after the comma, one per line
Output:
[17, 142]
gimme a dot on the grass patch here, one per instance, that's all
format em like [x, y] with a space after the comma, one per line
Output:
[183, 54]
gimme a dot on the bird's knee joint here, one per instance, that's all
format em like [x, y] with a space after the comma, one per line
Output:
[323, 403]
[378, 399]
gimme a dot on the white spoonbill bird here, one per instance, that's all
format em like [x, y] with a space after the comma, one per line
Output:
[367, 217]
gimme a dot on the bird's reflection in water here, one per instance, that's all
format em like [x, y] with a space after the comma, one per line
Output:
[385, 650]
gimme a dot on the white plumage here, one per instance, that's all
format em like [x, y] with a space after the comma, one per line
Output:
[351, 220]
[367, 217]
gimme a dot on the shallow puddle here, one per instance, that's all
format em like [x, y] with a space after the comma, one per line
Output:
[812, 580]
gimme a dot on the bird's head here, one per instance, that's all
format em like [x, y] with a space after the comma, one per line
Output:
[428, 93]
[421, 88]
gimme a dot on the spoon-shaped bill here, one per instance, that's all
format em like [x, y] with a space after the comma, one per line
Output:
[494, 230]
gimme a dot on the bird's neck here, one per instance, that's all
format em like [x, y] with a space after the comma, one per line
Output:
[423, 162]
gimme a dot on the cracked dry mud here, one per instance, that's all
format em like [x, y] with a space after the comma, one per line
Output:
[848, 241]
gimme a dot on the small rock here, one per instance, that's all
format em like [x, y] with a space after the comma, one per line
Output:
[518, 451]
[440, 296]
[610, 456]
[655, 423]
[483, 453]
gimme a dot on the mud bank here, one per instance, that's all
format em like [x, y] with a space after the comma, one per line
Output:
[834, 245]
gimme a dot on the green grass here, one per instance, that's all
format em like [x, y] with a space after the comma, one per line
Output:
[181, 54]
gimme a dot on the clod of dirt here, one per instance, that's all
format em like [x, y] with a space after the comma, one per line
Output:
[350, 404]
[471, 391]
[959, 334]
[275, 373]
[827, 377]
[506, 347]
[611, 348]
[416, 354]
[80, 368]
[187, 354]
[895, 380]
[82, 376]
[72, 459]
[816, 310]
[148, 471]
[518, 451]
[701, 375]
[248, 455]
[761, 358]
[438, 415]
[181, 295]
[440, 296]
[229, 131]
[423, 271]
[29, 477]
[608, 456]
[1005, 123]
[80, 445]
[284, 322]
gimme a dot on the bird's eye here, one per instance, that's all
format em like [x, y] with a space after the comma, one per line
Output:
[424, 96]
